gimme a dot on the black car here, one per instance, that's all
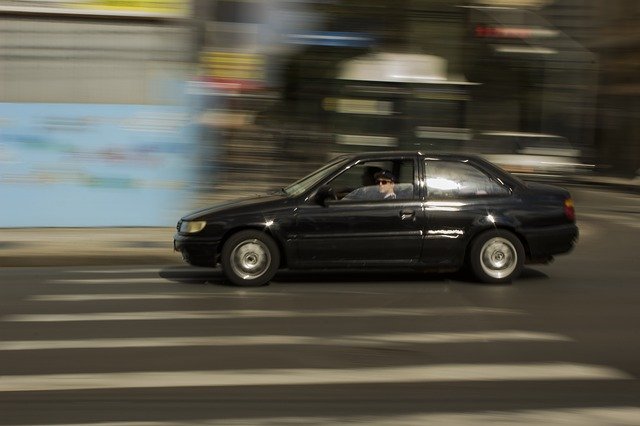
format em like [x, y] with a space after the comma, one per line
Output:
[386, 209]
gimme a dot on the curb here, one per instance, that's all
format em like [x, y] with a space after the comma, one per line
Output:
[33, 247]
[89, 260]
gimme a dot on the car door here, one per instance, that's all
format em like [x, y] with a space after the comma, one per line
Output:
[363, 231]
[461, 199]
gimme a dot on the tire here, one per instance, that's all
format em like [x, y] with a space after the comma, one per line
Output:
[250, 258]
[496, 256]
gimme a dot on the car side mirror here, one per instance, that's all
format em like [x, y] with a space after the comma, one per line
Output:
[324, 194]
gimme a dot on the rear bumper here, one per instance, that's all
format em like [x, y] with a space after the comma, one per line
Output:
[547, 242]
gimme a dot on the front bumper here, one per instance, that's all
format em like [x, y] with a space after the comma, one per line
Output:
[197, 250]
[181, 242]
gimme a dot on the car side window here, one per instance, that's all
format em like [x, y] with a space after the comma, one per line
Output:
[456, 179]
[376, 180]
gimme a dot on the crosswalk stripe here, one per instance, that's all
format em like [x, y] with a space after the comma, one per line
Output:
[592, 416]
[143, 296]
[126, 271]
[98, 297]
[357, 340]
[156, 280]
[237, 314]
[319, 376]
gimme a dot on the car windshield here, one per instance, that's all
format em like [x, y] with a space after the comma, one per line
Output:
[307, 182]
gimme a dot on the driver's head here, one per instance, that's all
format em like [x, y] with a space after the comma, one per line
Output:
[385, 181]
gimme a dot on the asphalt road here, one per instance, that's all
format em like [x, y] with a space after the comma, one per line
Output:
[167, 345]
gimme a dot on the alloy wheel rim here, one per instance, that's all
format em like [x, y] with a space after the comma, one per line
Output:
[498, 257]
[250, 259]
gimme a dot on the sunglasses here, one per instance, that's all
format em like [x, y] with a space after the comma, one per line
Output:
[383, 182]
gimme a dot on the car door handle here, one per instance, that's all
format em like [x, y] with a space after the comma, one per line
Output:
[407, 214]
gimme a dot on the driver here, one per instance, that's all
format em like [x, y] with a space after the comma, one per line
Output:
[382, 188]
[386, 182]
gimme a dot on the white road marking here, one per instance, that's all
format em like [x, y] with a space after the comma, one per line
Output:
[237, 314]
[143, 296]
[465, 337]
[132, 270]
[356, 340]
[157, 280]
[122, 271]
[592, 416]
[96, 297]
[161, 280]
[619, 416]
[311, 376]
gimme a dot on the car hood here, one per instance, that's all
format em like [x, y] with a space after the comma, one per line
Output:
[247, 203]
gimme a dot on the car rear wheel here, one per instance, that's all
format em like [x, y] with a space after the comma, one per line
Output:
[496, 256]
[250, 258]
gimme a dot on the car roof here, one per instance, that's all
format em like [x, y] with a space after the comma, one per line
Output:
[386, 154]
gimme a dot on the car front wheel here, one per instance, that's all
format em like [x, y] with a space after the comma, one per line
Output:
[250, 258]
[496, 256]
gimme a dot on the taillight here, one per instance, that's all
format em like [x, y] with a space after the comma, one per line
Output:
[569, 209]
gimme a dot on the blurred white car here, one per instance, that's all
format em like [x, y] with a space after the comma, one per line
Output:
[530, 154]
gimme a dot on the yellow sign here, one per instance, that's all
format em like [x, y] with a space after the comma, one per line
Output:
[233, 65]
[139, 8]
[165, 7]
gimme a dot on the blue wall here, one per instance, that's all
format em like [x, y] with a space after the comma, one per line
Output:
[83, 165]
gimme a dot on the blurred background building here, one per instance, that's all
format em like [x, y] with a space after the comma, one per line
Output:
[618, 109]
[94, 123]
[217, 98]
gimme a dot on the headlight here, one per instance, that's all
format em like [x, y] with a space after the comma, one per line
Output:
[191, 227]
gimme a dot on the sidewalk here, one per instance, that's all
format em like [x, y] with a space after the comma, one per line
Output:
[138, 246]
[87, 246]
